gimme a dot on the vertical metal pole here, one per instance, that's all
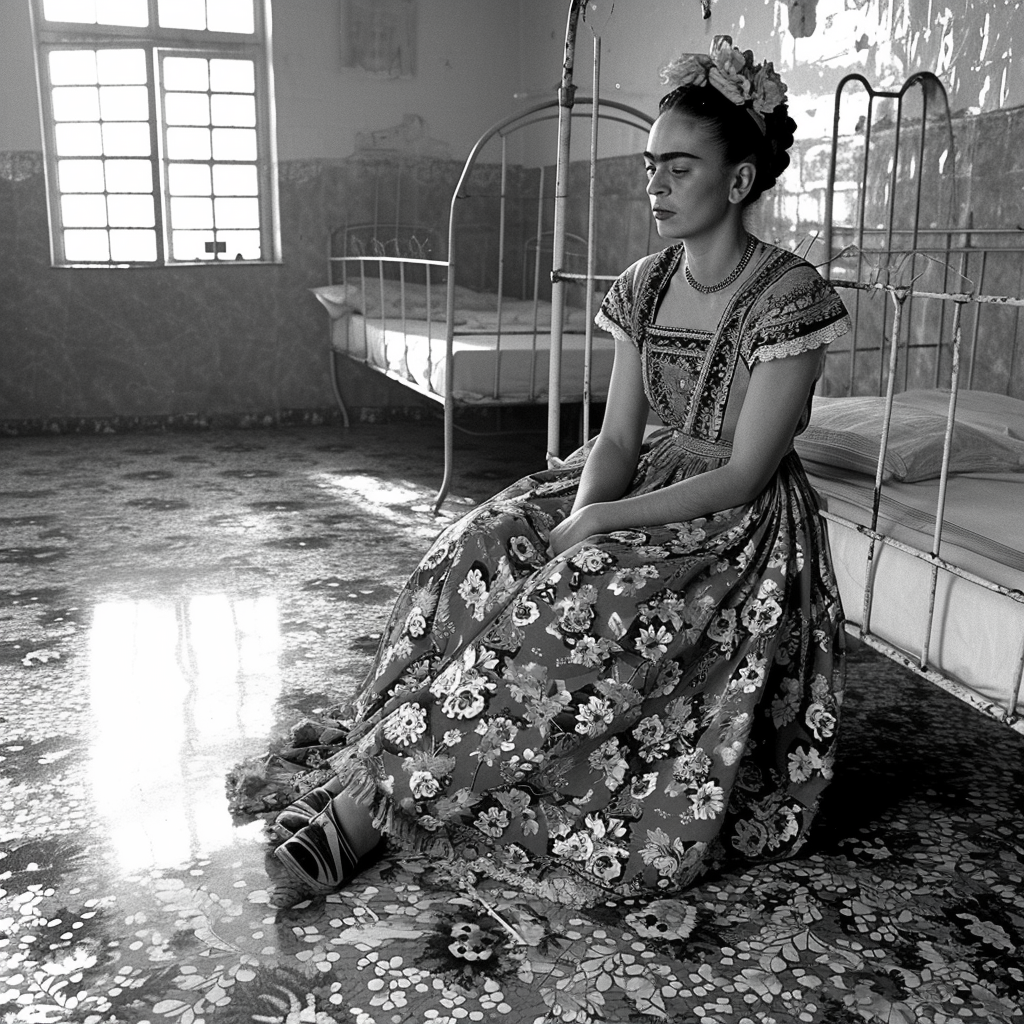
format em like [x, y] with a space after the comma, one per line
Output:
[501, 263]
[536, 286]
[940, 507]
[566, 96]
[588, 338]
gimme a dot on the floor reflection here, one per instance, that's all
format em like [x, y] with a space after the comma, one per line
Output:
[173, 688]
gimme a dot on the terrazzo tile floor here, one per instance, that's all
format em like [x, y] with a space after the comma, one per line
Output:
[171, 603]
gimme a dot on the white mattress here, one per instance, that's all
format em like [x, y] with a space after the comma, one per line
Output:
[977, 634]
[415, 351]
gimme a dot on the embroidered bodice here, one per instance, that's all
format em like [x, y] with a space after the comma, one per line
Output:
[695, 380]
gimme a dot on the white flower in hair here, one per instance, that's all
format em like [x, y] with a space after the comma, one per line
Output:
[734, 74]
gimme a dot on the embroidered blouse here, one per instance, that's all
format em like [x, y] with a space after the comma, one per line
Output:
[695, 380]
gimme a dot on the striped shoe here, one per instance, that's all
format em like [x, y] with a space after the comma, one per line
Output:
[320, 859]
[298, 815]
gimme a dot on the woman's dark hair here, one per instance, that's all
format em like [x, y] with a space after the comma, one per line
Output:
[737, 132]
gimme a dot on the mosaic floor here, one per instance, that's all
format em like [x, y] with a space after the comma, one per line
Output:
[169, 603]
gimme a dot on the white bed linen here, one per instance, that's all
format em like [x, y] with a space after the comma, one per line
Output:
[977, 634]
[416, 351]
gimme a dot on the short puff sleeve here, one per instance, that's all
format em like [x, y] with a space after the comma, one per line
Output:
[799, 311]
[618, 311]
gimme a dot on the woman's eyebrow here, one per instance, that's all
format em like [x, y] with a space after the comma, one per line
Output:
[663, 157]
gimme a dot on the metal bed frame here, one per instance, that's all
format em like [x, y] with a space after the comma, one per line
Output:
[381, 269]
[893, 272]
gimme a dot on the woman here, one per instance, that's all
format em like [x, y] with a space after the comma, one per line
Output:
[618, 673]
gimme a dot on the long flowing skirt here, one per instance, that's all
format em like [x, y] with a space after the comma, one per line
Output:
[619, 718]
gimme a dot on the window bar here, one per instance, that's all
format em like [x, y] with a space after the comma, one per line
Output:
[157, 162]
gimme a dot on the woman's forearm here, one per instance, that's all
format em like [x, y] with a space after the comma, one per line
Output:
[703, 495]
[606, 474]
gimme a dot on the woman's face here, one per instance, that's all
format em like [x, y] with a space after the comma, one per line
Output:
[688, 180]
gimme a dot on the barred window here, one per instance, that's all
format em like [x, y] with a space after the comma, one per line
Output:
[158, 130]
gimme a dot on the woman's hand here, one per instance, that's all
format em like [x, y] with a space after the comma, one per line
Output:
[583, 523]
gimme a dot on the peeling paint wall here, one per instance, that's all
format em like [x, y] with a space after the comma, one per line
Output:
[969, 44]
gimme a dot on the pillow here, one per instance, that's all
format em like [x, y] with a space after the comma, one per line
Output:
[845, 433]
[985, 410]
[340, 299]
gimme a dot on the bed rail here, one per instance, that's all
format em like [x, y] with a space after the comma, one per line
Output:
[918, 340]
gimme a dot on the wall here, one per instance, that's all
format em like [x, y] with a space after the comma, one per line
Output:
[196, 343]
[191, 343]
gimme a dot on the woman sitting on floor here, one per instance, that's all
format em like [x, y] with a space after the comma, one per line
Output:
[618, 673]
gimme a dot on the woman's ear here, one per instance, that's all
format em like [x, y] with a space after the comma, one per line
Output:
[742, 181]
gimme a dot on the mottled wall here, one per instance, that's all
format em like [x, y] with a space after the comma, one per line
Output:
[968, 174]
[193, 342]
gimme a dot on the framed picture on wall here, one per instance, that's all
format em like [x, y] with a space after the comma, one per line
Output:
[379, 36]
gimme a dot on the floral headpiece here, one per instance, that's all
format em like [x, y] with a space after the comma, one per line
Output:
[734, 74]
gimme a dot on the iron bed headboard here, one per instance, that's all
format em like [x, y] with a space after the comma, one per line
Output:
[895, 273]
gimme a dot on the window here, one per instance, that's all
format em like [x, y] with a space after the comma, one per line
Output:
[158, 130]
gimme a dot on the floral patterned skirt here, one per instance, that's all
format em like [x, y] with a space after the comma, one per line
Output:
[621, 717]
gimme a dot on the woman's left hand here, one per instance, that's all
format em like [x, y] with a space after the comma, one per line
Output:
[583, 523]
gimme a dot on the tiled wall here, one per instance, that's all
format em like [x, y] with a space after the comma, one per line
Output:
[974, 178]
[201, 343]
[191, 343]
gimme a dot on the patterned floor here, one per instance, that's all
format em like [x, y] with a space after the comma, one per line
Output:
[169, 603]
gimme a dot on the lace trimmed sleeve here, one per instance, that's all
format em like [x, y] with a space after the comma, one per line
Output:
[617, 312]
[799, 312]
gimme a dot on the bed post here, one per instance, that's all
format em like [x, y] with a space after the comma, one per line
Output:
[566, 97]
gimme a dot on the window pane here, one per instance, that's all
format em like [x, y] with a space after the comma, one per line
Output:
[76, 103]
[133, 246]
[83, 211]
[73, 67]
[191, 74]
[80, 175]
[235, 180]
[191, 213]
[230, 16]
[122, 12]
[182, 13]
[129, 175]
[188, 143]
[131, 211]
[86, 246]
[234, 143]
[237, 213]
[122, 67]
[244, 244]
[124, 103]
[239, 111]
[191, 245]
[78, 139]
[126, 139]
[188, 179]
[232, 75]
[187, 108]
[81, 11]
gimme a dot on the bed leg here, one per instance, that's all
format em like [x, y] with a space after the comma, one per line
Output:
[449, 450]
[337, 390]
